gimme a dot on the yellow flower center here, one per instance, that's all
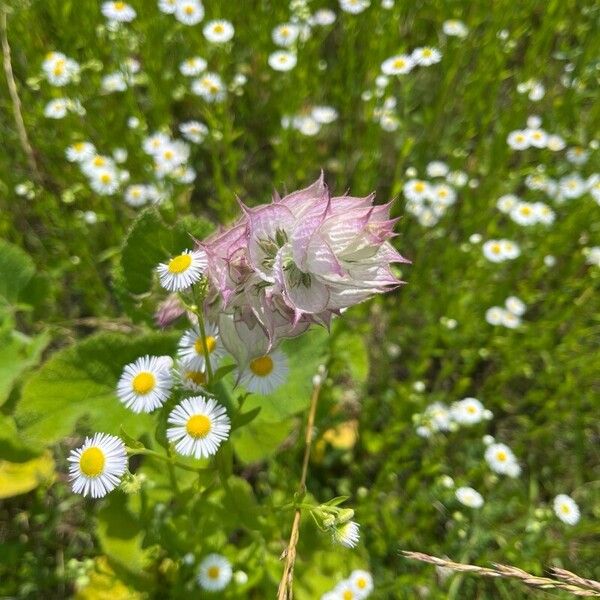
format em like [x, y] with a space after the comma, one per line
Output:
[143, 382]
[496, 248]
[211, 344]
[262, 366]
[427, 52]
[419, 186]
[198, 377]
[520, 138]
[399, 63]
[198, 426]
[78, 146]
[565, 508]
[525, 210]
[168, 154]
[284, 31]
[347, 595]
[189, 9]
[98, 161]
[218, 28]
[91, 462]
[471, 410]
[119, 5]
[213, 572]
[105, 178]
[501, 456]
[180, 263]
[442, 193]
[361, 583]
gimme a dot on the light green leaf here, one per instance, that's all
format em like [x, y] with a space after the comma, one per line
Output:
[20, 478]
[79, 382]
[16, 269]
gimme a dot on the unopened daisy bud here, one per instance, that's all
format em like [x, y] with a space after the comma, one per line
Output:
[132, 483]
[347, 534]
[240, 577]
[329, 521]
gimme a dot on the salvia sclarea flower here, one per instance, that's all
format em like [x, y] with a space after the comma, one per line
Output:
[300, 260]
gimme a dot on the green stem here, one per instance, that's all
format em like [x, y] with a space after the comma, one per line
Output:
[198, 312]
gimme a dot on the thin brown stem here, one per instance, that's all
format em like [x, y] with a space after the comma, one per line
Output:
[285, 591]
[14, 96]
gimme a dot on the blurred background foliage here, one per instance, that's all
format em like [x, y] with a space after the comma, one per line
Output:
[79, 297]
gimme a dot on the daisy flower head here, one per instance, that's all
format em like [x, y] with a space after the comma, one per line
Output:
[397, 65]
[264, 374]
[518, 140]
[555, 143]
[145, 384]
[189, 12]
[323, 17]
[285, 34]
[426, 56]
[362, 582]
[80, 152]
[282, 60]
[98, 465]
[104, 182]
[113, 82]
[194, 131]
[354, 7]
[214, 573]
[167, 6]
[324, 114]
[577, 155]
[571, 186]
[437, 168]
[347, 534]
[544, 213]
[538, 138]
[136, 195]
[59, 69]
[499, 457]
[57, 108]
[183, 270]
[199, 427]
[494, 315]
[510, 320]
[416, 190]
[191, 348]
[566, 509]
[455, 28]
[515, 305]
[524, 213]
[592, 256]
[96, 163]
[218, 31]
[210, 87]
[443, 194]
[189, 378]
[469, 497]
[468, 411]
[118, 11]
[507, 202]
[193, 66]
[344, 590]
[510, 249]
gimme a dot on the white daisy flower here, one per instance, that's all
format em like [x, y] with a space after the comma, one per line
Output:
[189, 378]
[97, 163]
[167, 6]
[285, 35]
[104, 182]
[362, 582]
[346, 535]
[538, 138]
[193, 66]
[524, 213]
[214, 573]
[97, 467]
[80, 152]
[113, 82]
[518, 140]
[577, 155]
[507, 202]
[171, 155]
[145, 384]
[438, 417]
[136, 195]
[437, 168]
[57, 108]
[282, 60]
[510, 320]
[443, 193]
[118, 11]
[510, 250]
[566, 509]
[469, 497]
[456, 28]
[194, 131]
[210, 87]
[324, 114]
[416, 190]
[468, 411]
[426, 56]
[457, 178]
[499, 457]
[494, 315]
[492, 250]
[354, 7]
[218, 31]
[200, 425]
[306, 125]
[345, 590]
[592, 256]
[323, 17]
[555, 143]
[515, 305]
[397, 65]
[571, 186]
[534, 122]
[189, 12]
[190, 350]
[182, 270]
[265, 374]
[59, 69]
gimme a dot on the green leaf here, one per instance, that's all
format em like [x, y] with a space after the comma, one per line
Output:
[351, 350]
[130, 442]
[17, 354]
[222, 372]
[242, 419]
[79, 382]
[16, 269]
[12, 447]
[239, 502]
[20, 478]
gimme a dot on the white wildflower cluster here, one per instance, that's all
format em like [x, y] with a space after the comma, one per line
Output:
[354, 7]
[310, 122]
[401, 64]
[60, 70]
[440, 417]
[356, 587]
[501, 459]
[118, 12]
[533, 136]
[498, 251]
[58, 108]
[210, 87]
[170, 157]
[534, 89]
[187, 12]
[428, 201]
[507, 316]
[455, 28]
[103, 175]
[525, 213]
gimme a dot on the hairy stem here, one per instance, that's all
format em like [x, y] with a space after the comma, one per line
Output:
[285, 591]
